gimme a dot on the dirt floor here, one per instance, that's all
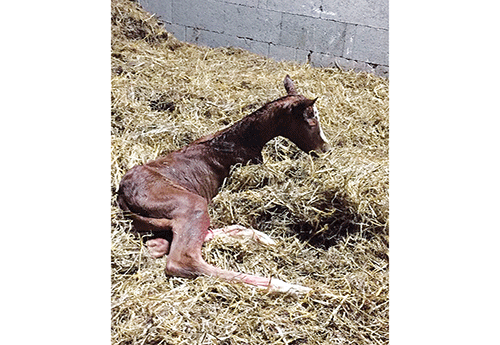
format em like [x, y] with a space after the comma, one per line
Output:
[329, 215]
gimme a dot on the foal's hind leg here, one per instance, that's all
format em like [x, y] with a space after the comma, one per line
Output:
[240, 232]
[190, 229]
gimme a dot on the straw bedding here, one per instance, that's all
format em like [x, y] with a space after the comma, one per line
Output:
[328, 214]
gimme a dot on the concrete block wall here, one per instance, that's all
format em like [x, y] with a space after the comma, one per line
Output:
[351, 34]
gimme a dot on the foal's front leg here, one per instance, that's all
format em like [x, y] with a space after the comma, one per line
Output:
[240, 232]
[271, 284]
[190, 231]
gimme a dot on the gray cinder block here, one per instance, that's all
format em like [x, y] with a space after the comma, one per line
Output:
[162, 8]
[208, 15]
[312, 34]
[374, 13]
[255, 23]
[311, 8]
[367, 44]
[281, 53]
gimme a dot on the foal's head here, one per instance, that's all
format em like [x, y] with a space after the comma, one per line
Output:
[302, 126]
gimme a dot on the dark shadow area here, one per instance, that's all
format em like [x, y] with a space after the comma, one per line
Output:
[327, 230]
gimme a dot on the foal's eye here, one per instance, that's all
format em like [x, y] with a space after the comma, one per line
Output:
[312, 122]
[309, 115]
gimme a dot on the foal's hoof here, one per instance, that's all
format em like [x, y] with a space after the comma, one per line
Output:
[157, 247]
[239, 231]
[279, 286]
[262, 238]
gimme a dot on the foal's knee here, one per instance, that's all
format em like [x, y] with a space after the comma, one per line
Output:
[199, 208]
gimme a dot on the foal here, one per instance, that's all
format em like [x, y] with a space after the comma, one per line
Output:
[169, 196]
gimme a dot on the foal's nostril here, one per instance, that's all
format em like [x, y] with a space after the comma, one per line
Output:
[326, 147]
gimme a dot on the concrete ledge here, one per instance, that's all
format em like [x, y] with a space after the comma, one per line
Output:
[325, 60]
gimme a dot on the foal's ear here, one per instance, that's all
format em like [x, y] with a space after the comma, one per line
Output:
[306, 103]
[289, 86]
[300, 106]
[310, 102]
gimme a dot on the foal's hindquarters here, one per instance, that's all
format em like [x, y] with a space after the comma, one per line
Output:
[185, 214]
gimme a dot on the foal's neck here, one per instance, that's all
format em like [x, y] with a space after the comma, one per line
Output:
[244, 141]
